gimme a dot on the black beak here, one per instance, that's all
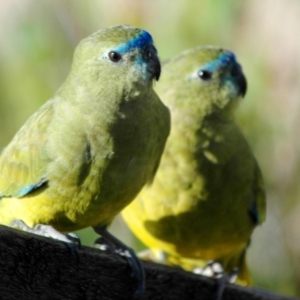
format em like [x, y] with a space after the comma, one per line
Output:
[240, 79]
[154, 67]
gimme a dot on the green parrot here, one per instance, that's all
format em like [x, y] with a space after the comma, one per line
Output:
[208, 193]
[88, 151]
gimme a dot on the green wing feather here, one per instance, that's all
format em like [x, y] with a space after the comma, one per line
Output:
[23, 163]
[260, 197]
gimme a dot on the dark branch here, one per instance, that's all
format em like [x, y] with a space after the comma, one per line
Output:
[37, 268]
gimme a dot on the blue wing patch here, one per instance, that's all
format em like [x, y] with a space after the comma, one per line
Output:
[27, 189]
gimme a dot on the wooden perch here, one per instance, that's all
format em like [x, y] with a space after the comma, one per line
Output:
[37, 268]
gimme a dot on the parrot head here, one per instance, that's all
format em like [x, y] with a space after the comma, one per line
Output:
[120, 53]
[209, 74]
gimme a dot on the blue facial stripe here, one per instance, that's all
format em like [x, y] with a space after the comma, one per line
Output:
[140, 41]
[221, 62]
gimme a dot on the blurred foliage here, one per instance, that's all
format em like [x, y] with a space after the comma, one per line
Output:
[37, 42]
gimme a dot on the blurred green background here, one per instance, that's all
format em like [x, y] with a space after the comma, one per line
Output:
[37, 42]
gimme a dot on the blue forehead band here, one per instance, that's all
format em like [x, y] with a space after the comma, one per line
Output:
[222, 62]
[140, 41]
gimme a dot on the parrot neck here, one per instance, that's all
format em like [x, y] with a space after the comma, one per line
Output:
[218, 116]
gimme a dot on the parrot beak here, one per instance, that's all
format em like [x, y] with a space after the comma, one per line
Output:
[242, 83]
[240, 79]
[154, 67]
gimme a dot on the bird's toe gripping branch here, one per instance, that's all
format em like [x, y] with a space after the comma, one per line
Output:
[215, 270]
[70, 239]
[107, 242]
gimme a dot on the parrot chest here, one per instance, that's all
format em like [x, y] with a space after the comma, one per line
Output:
[200, 202]
[115, 161]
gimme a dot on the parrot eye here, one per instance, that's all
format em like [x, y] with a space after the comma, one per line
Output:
[204, 75]
[114, 56]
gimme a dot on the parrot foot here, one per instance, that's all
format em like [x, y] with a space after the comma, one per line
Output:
[107, 242]
[153, 255]
[73, 238]
[46, 231]
[223, 279]
[215, 270]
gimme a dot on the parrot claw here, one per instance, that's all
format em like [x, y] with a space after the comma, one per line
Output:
[102, 245]
[46, 231]
[73, 238]
[215, 270]
[153, 255]
[107, 242]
